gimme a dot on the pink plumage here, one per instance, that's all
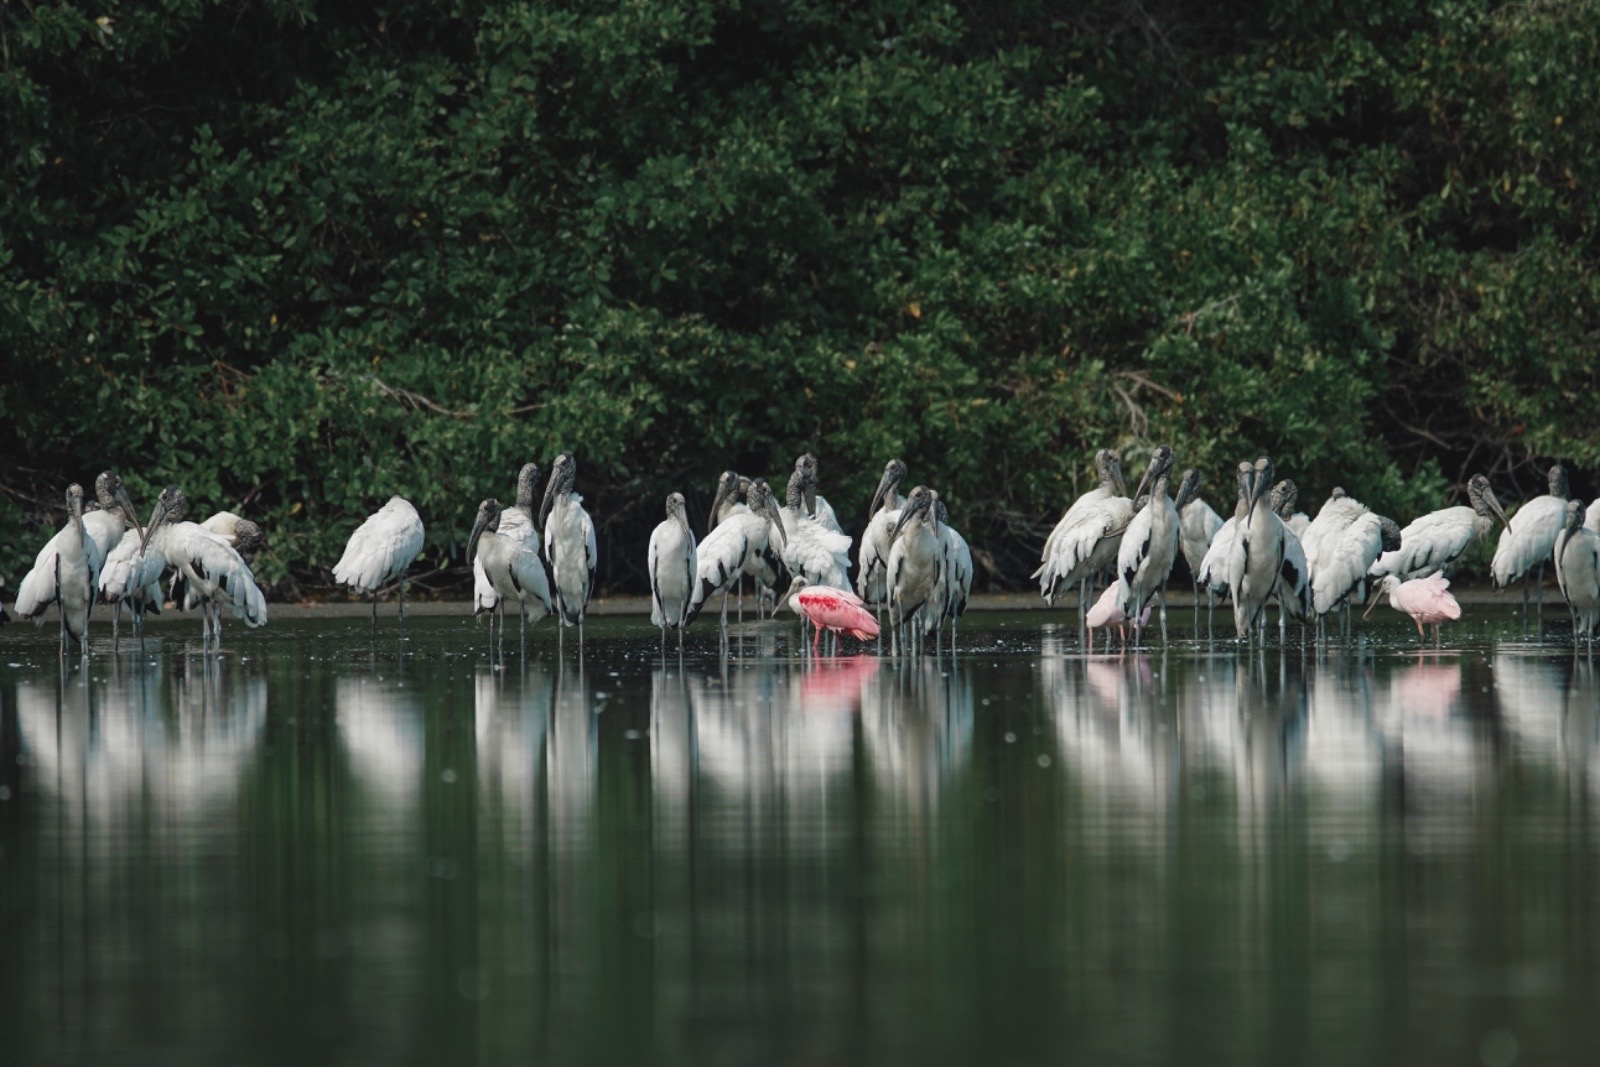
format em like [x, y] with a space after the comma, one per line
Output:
[1107, 612]
[838, 610]
[1426, 600]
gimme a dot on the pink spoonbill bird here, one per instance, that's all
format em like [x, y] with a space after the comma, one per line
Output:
[1426, 600]
[827, 608]
[1107, 612]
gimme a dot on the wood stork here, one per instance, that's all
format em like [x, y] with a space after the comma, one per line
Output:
[569, 545]
[379, 552]
[242, 535]
[1591, 519]
[816, 505]
[1284, 497]
[516, 523]
[1106, 507]
[1198, 524]
[1345, 559]
[1224, 558]
[673, 563]
[732, 488]
[735, 547]
[1577, 556]
[954, 588]
[1434, 543]
[1294, 579]
[1261, 544]
[1149, 547]
[882, 514]
[1529, 539]
[512, 567]
[208, 563]
[63, 574]
[132, 577]
[810, 547]
[916, 559]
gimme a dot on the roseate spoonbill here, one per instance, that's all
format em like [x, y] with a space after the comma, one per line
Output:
[954, 587]
[916, 559]
[516, 523]
[736, 545]
[836, 610]
[1434, 542]
[1224, 557]
[1087, 538]
[1426, 600]
[1107, 612]
[512, 567]
[1149, 546]
[1261, 542]
[882, 514]
[1577, 556]
[811, 548]
[569, 545]
[1529, 538]
[379, 551]
[98, 533]
[672, 565]
[208, 563]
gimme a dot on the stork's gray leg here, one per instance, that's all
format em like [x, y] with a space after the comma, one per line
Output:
[375, 615]
[1538, 590]
[403, 602]
[1163, 600]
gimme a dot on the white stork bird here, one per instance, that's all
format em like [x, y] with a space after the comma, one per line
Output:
[94, 535]
[1259, 556]
[1591, 520]
[734, 548]
[1577, 556]
[1216, 570]
[767, 569]
[916, 559]
[816, 505]
[379, 552]
[1529, 539]
[1294, 579]
[1105, 507]
[242, 535]
[1344, 559]
[884, 511]
[511, 565]
[811, 548]
[1149, 547]
[1433, 543]
[1198, 524]
[569, 545]
[208, 563]
[954, 587]
[516, 523]
[132, 576]
[673, 564]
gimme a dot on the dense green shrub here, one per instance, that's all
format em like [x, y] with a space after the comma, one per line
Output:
[298, 256]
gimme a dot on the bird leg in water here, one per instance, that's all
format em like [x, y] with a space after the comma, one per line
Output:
[375, 616]
[403, 601]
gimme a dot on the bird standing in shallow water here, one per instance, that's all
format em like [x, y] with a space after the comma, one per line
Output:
[1426, 600]
[1577, 556]
[826, 608]
[379, 551]
[672, 564]
[208, 564]
[512, 567]
[569, 545]
[1529, 538]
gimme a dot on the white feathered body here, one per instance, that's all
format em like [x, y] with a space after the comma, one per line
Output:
[1198, 524]
[1294, 578]
[872, 578]
[102, 533]
[570, 546]
[1577, 557]
[953, 587]
[1260, 561]
[1344, 561]
[1433, 543]
[916, 560]
[1145, 557]
[516, 526]
[815, 552]
[674, 561]
[1528, 540]
[381, 548]
[132, 576]
[513, 571]
[211, 568]
[735, 547]
[1085, 546]
[1221, 561]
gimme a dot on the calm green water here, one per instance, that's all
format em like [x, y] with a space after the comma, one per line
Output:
[314, 851]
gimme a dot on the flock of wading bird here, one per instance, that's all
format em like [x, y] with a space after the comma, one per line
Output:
[912, 565]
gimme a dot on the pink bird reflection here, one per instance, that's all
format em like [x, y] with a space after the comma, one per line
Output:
[834, 685]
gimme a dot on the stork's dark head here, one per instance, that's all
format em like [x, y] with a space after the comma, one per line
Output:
[1188, 489]
[527, 481]
[1481, 495]
[247, 539]
[171, 506]
[761, 501]
[113, 497]
[1389, 531]
[1558, 482]
[917, 506]
[806, 469]
[1337, 494]
[75, 503]
[729, 492]
[563, 473]
[1574, 516]
[1284, 497]
[1108, 465]
[678, 509]
[1160, 466]
[894, 473]
[488, 521]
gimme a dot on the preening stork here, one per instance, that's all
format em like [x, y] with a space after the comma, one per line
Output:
[209, 565]
[1261, 542]
[1086, 540]
[1198, 524]
[1149, 547]
[1529, 539]
[673, 564]
[916, 560]
[242, 535]
[954, 587]
[884, 511]
[1294, 578]
[132, 577]
[1434, 543]
[511, 566]
[87, 539]
[735, 547]
[1342, 542]
[1108, 469]
[569, 545]
[810, 547]
[379, 552]
[1591, 520]
[1577, 556]
[516, 523]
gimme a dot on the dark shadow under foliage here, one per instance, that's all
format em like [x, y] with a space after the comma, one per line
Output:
[299, 256]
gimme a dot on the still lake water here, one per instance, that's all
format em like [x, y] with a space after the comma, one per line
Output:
[312, 851]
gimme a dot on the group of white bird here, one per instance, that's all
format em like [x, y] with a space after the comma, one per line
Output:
[912, 563]
[1267, 551]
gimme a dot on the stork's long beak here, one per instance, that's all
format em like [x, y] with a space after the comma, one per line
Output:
[1122, 486]
[125, 505]
[770, 510]
[158, 518]
[1382, 590]
[549, 500]
[885, 486]
[478, 529]
[724, 492]
[1144, 482]
[1494, 506]
[907, 514]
